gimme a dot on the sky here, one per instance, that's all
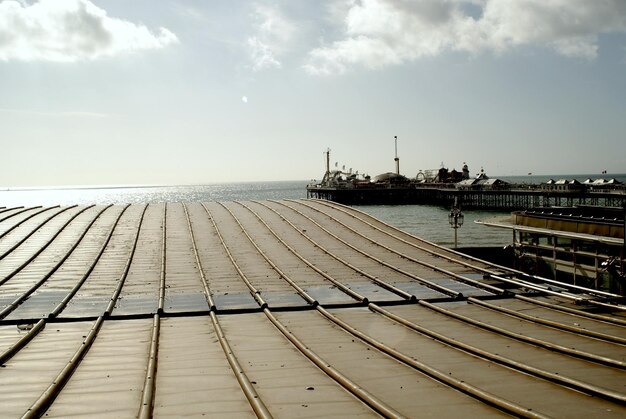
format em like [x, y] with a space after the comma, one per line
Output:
[143, 92]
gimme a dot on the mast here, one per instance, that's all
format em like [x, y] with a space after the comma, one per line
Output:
[397, 160]
[328, 161]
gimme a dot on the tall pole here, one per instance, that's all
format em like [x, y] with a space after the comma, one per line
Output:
[396, 159]
[326, 179]
[328, 161]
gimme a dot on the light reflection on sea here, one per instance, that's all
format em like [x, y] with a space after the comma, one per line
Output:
[136, 195]
[428, 222]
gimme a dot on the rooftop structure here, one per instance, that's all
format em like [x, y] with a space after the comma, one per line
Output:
[579, 245]
[284, 309]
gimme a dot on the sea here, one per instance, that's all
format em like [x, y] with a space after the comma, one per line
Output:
[425, 221]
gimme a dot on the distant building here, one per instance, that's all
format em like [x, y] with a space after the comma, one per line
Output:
[603, 184]
[562, 185]
[466, 172]
[482, 184]
[392, 178]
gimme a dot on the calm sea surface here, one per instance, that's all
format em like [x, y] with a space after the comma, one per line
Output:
[428, 222]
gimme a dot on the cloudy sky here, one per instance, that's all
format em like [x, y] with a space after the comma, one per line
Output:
[109, 92]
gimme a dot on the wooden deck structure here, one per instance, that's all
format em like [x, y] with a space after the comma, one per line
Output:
[300, 308]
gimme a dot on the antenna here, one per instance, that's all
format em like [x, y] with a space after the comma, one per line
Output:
[396, 159]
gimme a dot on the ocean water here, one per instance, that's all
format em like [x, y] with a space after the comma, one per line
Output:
[431, 223]
[154, 194]
[428, 222]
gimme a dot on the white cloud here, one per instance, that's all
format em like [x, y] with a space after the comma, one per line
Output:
[70, 30]
[262, 55]
[378, 33]
[273, 32]
[571, 27]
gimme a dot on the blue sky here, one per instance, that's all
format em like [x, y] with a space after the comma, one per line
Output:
[117, 92]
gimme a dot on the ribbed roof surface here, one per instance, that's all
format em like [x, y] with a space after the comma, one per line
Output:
[285, 308]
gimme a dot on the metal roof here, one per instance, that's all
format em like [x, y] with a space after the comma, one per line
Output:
[285, 309]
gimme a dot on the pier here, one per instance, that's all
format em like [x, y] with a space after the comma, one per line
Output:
[282, 309]
[444, 195]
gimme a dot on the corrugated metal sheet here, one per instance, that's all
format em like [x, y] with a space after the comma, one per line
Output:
[285, 308]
